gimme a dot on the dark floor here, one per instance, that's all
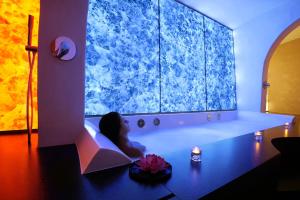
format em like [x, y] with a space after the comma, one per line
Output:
[32, 173]
[53, 173]
[29, 173]
[20, 171]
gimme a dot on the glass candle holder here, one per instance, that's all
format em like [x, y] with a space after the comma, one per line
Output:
[196, 154]
[286, 125]
[258, 136]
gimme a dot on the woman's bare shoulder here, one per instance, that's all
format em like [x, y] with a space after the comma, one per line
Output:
[133, 149]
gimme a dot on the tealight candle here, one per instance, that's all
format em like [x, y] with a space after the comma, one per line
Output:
[258, 135]
[196, 154]
[286, 125]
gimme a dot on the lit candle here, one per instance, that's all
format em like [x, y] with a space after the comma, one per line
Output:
[286, 125]
[196, 153]
[258, 135]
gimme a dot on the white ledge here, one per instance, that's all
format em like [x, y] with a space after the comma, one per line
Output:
[96, 152]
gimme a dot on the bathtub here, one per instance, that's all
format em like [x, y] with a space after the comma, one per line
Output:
[164, 134]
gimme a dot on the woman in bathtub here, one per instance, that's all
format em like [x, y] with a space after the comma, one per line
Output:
[116, 128]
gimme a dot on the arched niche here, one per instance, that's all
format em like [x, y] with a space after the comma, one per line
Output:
[271, 52]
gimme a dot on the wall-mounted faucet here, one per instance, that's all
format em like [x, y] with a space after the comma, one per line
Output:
[63, 48]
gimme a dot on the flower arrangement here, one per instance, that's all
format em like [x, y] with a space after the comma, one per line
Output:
[150, 169]
[152, 163]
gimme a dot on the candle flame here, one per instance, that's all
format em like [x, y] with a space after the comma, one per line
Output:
[196, 150]
[257, 133]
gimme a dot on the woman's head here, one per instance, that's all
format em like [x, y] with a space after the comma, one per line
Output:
[113, 126]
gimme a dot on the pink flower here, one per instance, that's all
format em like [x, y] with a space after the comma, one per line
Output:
[152, 163]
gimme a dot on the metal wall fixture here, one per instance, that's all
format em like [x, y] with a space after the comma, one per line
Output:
[63, 48]
[141, 123]
[156, 122]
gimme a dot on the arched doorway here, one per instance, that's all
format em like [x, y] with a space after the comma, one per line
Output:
[281, 76]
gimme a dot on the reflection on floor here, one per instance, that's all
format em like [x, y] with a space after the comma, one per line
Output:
[54, 173]
[19, 168]
[30, 173]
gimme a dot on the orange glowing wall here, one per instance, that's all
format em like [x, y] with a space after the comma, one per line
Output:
[283, 76]
[14, 62]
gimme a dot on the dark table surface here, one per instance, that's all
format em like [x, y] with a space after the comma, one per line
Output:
[54, 172]
[62, 180]
[222, 162]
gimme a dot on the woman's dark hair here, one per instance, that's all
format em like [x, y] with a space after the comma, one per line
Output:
[110, 125]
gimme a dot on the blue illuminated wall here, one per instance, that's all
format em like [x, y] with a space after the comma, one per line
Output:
[122, 57]
[151, 56]
[220, 70]
[182, 58]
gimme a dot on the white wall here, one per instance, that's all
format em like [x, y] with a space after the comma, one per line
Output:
[252, 43]
[61, 83]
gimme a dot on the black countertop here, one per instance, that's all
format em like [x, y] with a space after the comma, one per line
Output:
[222, 162]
